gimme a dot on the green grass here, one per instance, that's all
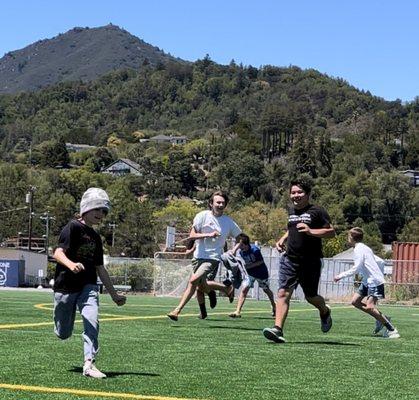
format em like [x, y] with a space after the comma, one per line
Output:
[218, 358]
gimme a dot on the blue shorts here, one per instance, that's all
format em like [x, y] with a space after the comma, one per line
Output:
[371, 291]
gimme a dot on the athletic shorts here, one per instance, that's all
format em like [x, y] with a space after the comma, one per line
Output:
[371, 291]
[304, 272]
[204, 269]
[249, 281]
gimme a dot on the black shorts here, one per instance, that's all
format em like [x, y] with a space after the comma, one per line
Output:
[304, 272]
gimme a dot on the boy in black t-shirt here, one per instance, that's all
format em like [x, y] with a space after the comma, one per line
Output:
[79, 257]
[307, 225]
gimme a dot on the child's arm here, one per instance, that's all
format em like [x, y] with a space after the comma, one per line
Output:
[358, 262]
[324, 233]
[61, 258]
[104, 277]
[235, 248]
[196, 235]
[346, 273]
[280, 244]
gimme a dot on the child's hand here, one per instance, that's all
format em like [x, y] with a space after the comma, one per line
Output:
[76, 267]
[336, 278]
[119, 299]
[280, 246]
[302, 227]
[214, 234]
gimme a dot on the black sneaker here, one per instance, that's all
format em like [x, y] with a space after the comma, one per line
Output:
[326, 321]
[212, 298]
[275, 334]
[202, 315]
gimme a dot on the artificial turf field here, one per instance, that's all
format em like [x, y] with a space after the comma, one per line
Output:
[147, 356]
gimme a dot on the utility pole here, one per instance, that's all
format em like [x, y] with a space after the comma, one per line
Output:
[113, 226]
[29, 200]
[46, 217]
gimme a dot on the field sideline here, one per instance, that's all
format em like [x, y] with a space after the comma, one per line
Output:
[147, 356]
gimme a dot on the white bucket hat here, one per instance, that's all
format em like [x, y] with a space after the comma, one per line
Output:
[94, 198]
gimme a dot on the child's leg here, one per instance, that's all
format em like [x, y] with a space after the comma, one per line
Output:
[242, 299]
[201, 302]
[264, 284]
[64, 314]
[376, 313]
[369, 307]
[88, 303]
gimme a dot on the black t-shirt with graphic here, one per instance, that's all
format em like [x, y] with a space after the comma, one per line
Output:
[80, 243]
[299, 244]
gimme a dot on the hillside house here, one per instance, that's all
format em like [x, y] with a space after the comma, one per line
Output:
[123, 166]
[169, 139]
[77, 147]
[413, 175]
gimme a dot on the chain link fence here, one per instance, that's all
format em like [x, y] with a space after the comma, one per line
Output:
[163, 276]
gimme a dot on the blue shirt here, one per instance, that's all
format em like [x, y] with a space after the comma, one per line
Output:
[254, 255]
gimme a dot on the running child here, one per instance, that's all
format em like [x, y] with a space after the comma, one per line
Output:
[372, 285]
[79, 257]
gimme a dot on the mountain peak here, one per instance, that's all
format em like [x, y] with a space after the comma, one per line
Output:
[79, 54]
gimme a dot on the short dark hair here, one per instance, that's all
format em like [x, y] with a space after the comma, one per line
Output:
[302, 183]
[243, 238]
[218, 193]
[357, 234]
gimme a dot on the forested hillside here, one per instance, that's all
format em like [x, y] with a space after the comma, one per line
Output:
[249, 131]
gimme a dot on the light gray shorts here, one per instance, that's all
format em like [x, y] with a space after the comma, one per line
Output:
[249, 282]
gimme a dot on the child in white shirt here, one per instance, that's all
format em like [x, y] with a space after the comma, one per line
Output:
[372, 285]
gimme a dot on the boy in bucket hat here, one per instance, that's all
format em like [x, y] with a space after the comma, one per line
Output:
[79, 256]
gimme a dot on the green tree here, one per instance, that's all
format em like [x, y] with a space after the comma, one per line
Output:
[410, 232]
[262, 222]
[239, 173]
[51, 153]
[392, 202]
[178, 213]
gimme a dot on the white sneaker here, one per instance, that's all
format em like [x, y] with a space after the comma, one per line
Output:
[90, 370]
[391, 334]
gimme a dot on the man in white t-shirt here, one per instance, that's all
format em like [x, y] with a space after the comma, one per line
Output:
[372, 285]
[210, 230]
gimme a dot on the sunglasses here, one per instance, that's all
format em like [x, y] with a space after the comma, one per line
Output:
[104, 210]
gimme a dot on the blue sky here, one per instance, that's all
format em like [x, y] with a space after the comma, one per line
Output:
[372, 44]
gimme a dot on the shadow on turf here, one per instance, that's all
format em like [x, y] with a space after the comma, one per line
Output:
[112, 374]
[330, 343]
[240, 328]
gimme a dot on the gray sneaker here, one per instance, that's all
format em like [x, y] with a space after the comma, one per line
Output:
[326, 322]
[90, 370]
[379, 326]
[274, 334]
